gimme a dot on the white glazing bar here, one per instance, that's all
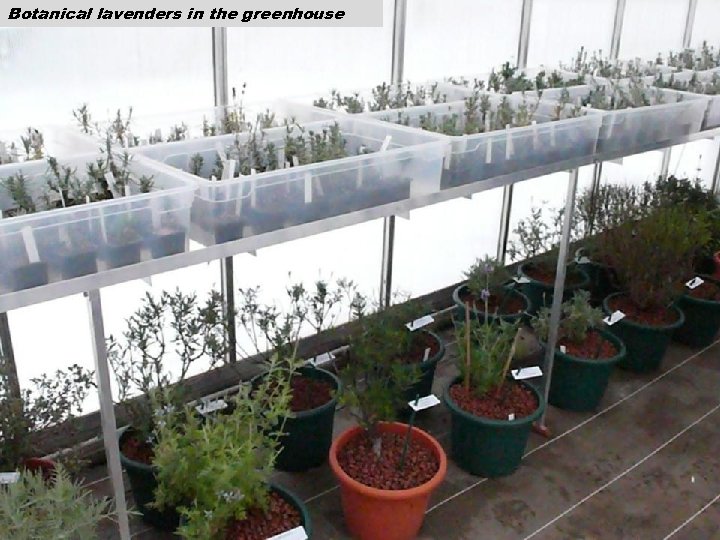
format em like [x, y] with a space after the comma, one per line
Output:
[716, 173]
[7, 358]
[107, 411]
[617, 29]
[665, 164]
[559, 286]
[398, 70]
[689, 24]
[524, 39]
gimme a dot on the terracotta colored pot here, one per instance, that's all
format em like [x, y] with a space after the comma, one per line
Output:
[44, 466]
[716, 258]
[377, 514]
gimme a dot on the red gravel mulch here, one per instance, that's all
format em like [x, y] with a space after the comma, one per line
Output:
[595, 347]
[512, 398]
[137, 450]
[280, 517]
[706, 291]
[547, 276]
[308, 393]
[510, 303]
[360, 462]
[653, 317]
[420, 342]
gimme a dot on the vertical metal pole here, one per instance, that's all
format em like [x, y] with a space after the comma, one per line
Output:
[8, 358]
[107, 410]
[559, 286]
[522, 56]
[716, 174]
[617, 29]
[220, 84]
[665, 164]
[689, 23]
[396, 77]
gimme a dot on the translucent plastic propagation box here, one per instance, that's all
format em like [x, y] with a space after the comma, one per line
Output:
[193, 124]
[482, 80]
[703, 78]
[483, 156]
[60, 242]
[56, 141]
[402, 163]
[675, 115]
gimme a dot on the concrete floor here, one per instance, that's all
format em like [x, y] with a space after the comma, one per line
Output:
[646, 466]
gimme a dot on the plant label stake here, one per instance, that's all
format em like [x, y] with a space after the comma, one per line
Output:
[424, 403]
[426, 354]
[253, 188]
[509, 358]
[208, 407]
[386, 143]
[298, 533]
[488, 145]
[616, 316]
[419, 323]
[220, 152]
[563, 349]
[110, 179]
[281, 155]
[127, 190]
[62, 198]
[3, 152]
[7, 478]
[536, 140]
[308, 187]
[511, 417]
[552, 134]
[324, 358]
[448, 156]
[228, 169]
[526, 373]
[508, 143]
[694, 283]
[30, 245]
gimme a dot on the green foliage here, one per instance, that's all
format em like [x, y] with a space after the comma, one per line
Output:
[83, 116]
[488, 275]
[615, 96]
[578, 318]
[653, 256]
[490, 349]
[214, 470]
[384, 96]
[174, 327]
[376, 376]
[47, 403]
[60, 509]
[705, 58]
[17, 187]
[537, 237]
[709, 87]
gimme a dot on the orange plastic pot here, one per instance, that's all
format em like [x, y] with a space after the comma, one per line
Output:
[378, 514]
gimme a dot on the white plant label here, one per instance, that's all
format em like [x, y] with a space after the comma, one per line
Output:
[386, 143]
[426, 354]
[419, 323]
[287, 164]
[324, 358]
[3, 152]
[536, 140]
[616, 316]
[62, 199]
[526, 373]
[295, 161]
[694, 283]
[208, 407]
[7, 478]
[511, 416]
[253, 188]
[521, 279]
[448, 157]
[127, 190]
[281, 155]
[129, 139]
[110, 179]
[508, 143]
[424, 403]
[552, 134]
[30, 245]
[583, 260]
[220, 152]
[563, 349]
[298, 533]
[308, 188]
[360, 176]
[228, 169]
[488, 147]
[87, 199]
[158, 135]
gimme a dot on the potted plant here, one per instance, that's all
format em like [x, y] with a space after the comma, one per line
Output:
[379, 488]
[173, 325]
[584, 357]
[652, 257]
[701, 305]
[307, 431]
[61, 508]
[31, 418]
[216, 471]
[491, 416]
[487, 291]
[536, 245]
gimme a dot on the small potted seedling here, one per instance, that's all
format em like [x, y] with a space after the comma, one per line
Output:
[34, 508]
[584, 356]
[217, 471]
[379, 488]
[491, 414]
[652, 258]
[535, 245]
[174, 325]
[490, 289]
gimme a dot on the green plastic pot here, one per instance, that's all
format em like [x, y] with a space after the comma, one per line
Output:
[540, 294]
[294, 501]
[459, 313]
[308, 434]
[601, 280]
[423, 387]
[486, 447]
[646, 345]
[578, 384]
[143, 483]
[702, 320]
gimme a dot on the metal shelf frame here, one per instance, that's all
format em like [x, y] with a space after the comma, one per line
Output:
[90, 285]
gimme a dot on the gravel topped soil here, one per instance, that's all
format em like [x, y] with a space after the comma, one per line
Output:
[546, 276]
[497, 404]
[707, 291]
[309, 393]
[510, 303]
[359, 461]
[653, 317]
[281, 516]
[594, 347]
[420, 342]
[137, 450]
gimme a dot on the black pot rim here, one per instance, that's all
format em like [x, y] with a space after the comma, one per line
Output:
[454, 409]
[441, 349]
[124, 432]
[625, 321]
[583, 274]
[702, 301]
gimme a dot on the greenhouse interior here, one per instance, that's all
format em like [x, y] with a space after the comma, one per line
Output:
[375, 282]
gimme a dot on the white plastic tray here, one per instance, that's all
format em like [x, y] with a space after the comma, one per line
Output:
[486, 155]
[64, 243]
[712, 115]
[255, 204]
[58, 141]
